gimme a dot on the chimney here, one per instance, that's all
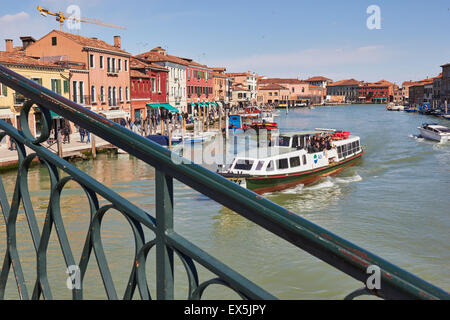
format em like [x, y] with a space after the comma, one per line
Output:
[117, 42]
[9, 45]
[26, 41]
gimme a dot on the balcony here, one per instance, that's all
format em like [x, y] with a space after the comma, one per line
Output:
[113, 72]
[82, 99]
[19, 99]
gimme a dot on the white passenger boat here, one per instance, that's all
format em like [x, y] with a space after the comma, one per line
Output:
[435, 132]
[292, 161]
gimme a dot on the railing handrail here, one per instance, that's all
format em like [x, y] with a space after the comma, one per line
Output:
[343, 255]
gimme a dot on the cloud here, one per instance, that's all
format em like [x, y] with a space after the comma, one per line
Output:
[12, 18]
[13, 26]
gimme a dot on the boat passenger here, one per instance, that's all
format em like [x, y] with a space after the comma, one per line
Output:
[316, 148]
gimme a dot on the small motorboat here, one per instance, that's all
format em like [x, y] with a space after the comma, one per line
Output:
[393, 107]
[435, 132]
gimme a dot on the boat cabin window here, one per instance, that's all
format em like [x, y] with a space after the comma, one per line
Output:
[348, 149]
[284, 141]
[282, 164]
[295, 141]
[304, 159]
[294, 162]
[270, 166]
[259, 165]
[242, 164]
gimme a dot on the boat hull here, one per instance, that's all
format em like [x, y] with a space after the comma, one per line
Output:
[433, 136]
[262, 185]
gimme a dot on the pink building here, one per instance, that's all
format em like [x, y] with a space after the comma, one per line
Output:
[100, 75]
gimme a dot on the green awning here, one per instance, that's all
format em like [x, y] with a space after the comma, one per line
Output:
[380, 98]
[170, 108]
[213, 103]
[55, 115]
[163, 105]
[154, 105]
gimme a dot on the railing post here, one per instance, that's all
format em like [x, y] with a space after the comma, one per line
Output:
[164, 218]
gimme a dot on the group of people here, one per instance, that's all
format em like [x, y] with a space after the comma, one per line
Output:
[319, 143]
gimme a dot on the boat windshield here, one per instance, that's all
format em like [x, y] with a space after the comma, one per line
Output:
[284, 141]
[242, 164]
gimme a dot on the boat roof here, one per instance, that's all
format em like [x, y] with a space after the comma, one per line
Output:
[298, 133]
[252, 154]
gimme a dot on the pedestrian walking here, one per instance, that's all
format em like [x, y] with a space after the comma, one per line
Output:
[82, 134]
[88, 135]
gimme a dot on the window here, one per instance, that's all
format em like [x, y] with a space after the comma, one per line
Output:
[304, 160]
[120, 64]
[91, 60]
[126, 65]
[109, 64]
[242, 164]
[38, 80]
[294, 162]
[74, 91]
[4, 90]
[153, 85]
[260, 165]
[270, 166]
[101, 62]
[54, 41]
[102, 94]
[92, 94]
[284, 141]
[113, 65]
[127, 94]
[66, 86]
[120, 94]
[282, 164]
[56, 85]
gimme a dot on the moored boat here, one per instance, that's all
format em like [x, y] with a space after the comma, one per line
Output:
[435, 132]
[292, 161]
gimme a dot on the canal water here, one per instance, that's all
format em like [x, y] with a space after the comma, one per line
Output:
[395, 203]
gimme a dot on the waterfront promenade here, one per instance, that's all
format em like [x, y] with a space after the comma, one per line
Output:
[76, 148]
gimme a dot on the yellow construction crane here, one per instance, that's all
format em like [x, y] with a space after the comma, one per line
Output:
[61, 17]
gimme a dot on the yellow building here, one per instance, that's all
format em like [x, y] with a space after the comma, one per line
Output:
[47, 74]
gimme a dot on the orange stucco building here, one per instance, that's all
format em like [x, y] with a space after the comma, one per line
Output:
[99, 71]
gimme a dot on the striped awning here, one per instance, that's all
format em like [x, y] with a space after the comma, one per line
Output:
[6, 113]
[163, 105]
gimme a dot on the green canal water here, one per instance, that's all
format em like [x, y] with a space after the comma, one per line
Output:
[394, 203]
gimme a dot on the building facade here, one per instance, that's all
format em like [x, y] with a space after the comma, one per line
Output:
[377, 92]
[345, 88]
[106, 89]
[445, 84]
[273, 95]
[176, 83]
[299, 91]
[248, 80]
[51, 76]
[319, 81]
[148, 87]
[199, 84]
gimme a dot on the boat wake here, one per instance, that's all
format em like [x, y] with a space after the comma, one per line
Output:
[324, 183]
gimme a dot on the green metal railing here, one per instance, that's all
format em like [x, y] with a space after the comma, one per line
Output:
[343, 255]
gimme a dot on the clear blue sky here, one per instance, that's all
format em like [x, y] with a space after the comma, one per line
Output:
[284, 38]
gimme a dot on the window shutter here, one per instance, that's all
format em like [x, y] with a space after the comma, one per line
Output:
[58, 86]
[4, 90]
[66, 86]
